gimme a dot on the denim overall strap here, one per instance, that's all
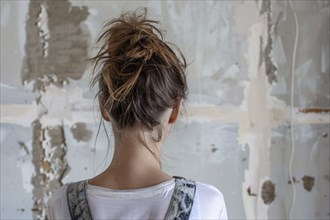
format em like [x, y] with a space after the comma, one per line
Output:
[182, 199]
[77, 201]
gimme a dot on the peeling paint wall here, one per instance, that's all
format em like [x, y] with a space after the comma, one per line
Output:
[236, 135]
[56, 47]
[56, 42]
[50, 165]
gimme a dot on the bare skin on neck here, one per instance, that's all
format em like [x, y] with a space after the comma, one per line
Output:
[133, 166]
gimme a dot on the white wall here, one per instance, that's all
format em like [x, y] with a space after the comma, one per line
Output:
[237, 131]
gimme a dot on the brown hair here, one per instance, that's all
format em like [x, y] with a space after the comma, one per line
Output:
[139, 75]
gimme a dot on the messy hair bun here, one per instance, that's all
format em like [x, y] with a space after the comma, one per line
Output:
[139, 75]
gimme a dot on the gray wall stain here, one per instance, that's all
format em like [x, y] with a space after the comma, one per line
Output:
[308, 182]
[67, 42]
[80, 132]
[24, 147]
[268, 192]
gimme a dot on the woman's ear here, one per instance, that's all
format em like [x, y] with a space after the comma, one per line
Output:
[104, 112]
[175, 111]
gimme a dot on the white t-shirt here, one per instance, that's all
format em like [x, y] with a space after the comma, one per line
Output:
[145, 203]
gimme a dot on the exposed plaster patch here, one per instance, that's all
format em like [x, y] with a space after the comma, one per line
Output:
[37, 179]
[49, 150]
[308, 182]
[56, 48]
[57, 43]
[257, 123]
[268, 192]
[80, 132]
[255, 126]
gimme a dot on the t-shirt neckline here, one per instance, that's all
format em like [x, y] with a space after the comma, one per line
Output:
[131, 193]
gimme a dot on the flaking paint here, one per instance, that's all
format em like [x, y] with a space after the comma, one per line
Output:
[56, 50]
[57, 43]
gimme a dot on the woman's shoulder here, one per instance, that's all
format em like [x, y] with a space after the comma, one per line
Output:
[59, 194]
[211, 200]
[209, 191]
[55, 204]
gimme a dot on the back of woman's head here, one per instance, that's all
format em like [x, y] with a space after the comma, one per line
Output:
[139, 75]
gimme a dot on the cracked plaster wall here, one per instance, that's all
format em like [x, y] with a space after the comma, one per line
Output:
[236, 136]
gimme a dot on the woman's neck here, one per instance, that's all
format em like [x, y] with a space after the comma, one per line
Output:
[133, 165]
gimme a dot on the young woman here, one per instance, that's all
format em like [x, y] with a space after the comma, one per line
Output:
[142, 85]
